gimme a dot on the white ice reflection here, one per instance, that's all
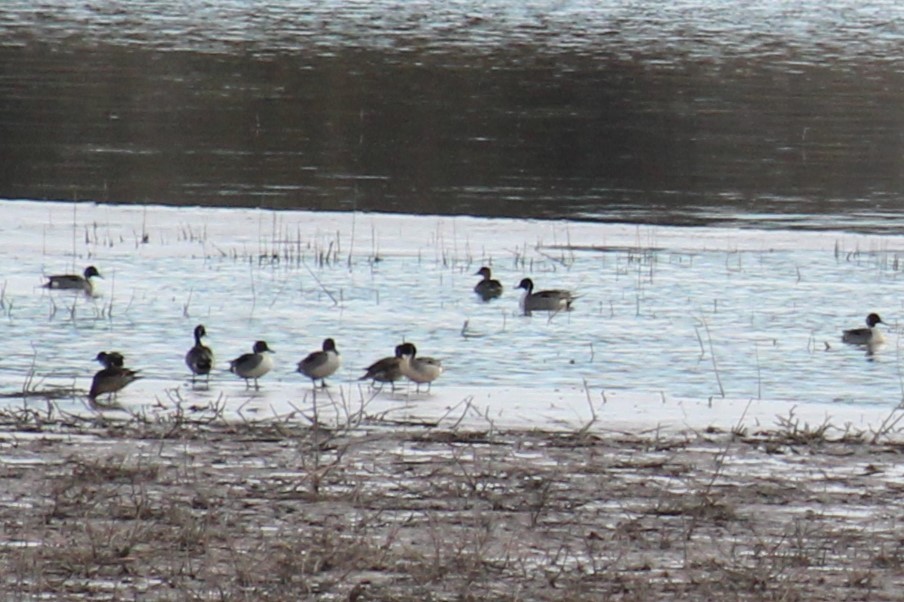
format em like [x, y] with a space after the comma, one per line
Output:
[688, 312]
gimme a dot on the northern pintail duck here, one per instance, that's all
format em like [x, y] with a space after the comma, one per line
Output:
[865, 336]
[419, 370]
[74, 281]
[320, 364]
[385, 370]
[487, 288]
[110, 359]
[113, 378]
[199, 358]
[253, 365]
[549, 300]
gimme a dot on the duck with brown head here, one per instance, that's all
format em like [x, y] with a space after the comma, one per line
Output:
[113, 378]
[488, 288]
[385, 370]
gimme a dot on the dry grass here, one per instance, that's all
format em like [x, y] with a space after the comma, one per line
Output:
[110, 510]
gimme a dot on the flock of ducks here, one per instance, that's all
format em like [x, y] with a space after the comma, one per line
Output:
[317, 365]
[553, 300]
[321, 364]
[556, 300]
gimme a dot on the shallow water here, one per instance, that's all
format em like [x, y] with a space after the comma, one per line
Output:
[656, 303]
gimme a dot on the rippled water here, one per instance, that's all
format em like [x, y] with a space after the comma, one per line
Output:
[656, 304]
[768, 114]
[844, 30]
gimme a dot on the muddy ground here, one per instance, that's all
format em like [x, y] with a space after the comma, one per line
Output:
[195, 508]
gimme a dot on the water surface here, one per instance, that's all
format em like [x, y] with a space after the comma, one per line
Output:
[687, 312]
[769, 114]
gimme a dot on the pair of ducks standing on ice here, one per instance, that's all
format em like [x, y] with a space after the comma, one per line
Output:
[317, 365]
[405, 362]
[553, 300]
[115, 376]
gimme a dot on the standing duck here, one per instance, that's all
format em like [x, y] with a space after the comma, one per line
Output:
[253, 365]
[110, 359]
[419, 370]
[112, 378]
[550, 300]
[74, 282]
[385, 370]
[199, 358]
[487, 288]
[320, 364]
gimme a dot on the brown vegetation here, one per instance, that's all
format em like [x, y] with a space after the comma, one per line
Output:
[101, 509]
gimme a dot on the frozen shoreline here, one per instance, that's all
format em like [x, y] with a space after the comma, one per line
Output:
[390, 233]
[507, 409]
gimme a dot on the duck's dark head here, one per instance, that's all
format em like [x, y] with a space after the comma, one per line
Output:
[406, 349]
[527, 284]
[200, 331]
[91, 271]
[484, 271]
[112, 359]
[261, 346]
[873, 319]
[329, 345]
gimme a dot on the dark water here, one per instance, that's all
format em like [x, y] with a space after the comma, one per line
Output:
[770, 113]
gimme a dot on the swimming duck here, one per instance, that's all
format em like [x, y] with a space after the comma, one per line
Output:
[110, 359]
[320, 364]
[253, 365]
[550, 300]
[865, 336]
[110, 380]
[74, 281]
[385, 370]
[487, 288]
[419, 370]
[199, 358]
